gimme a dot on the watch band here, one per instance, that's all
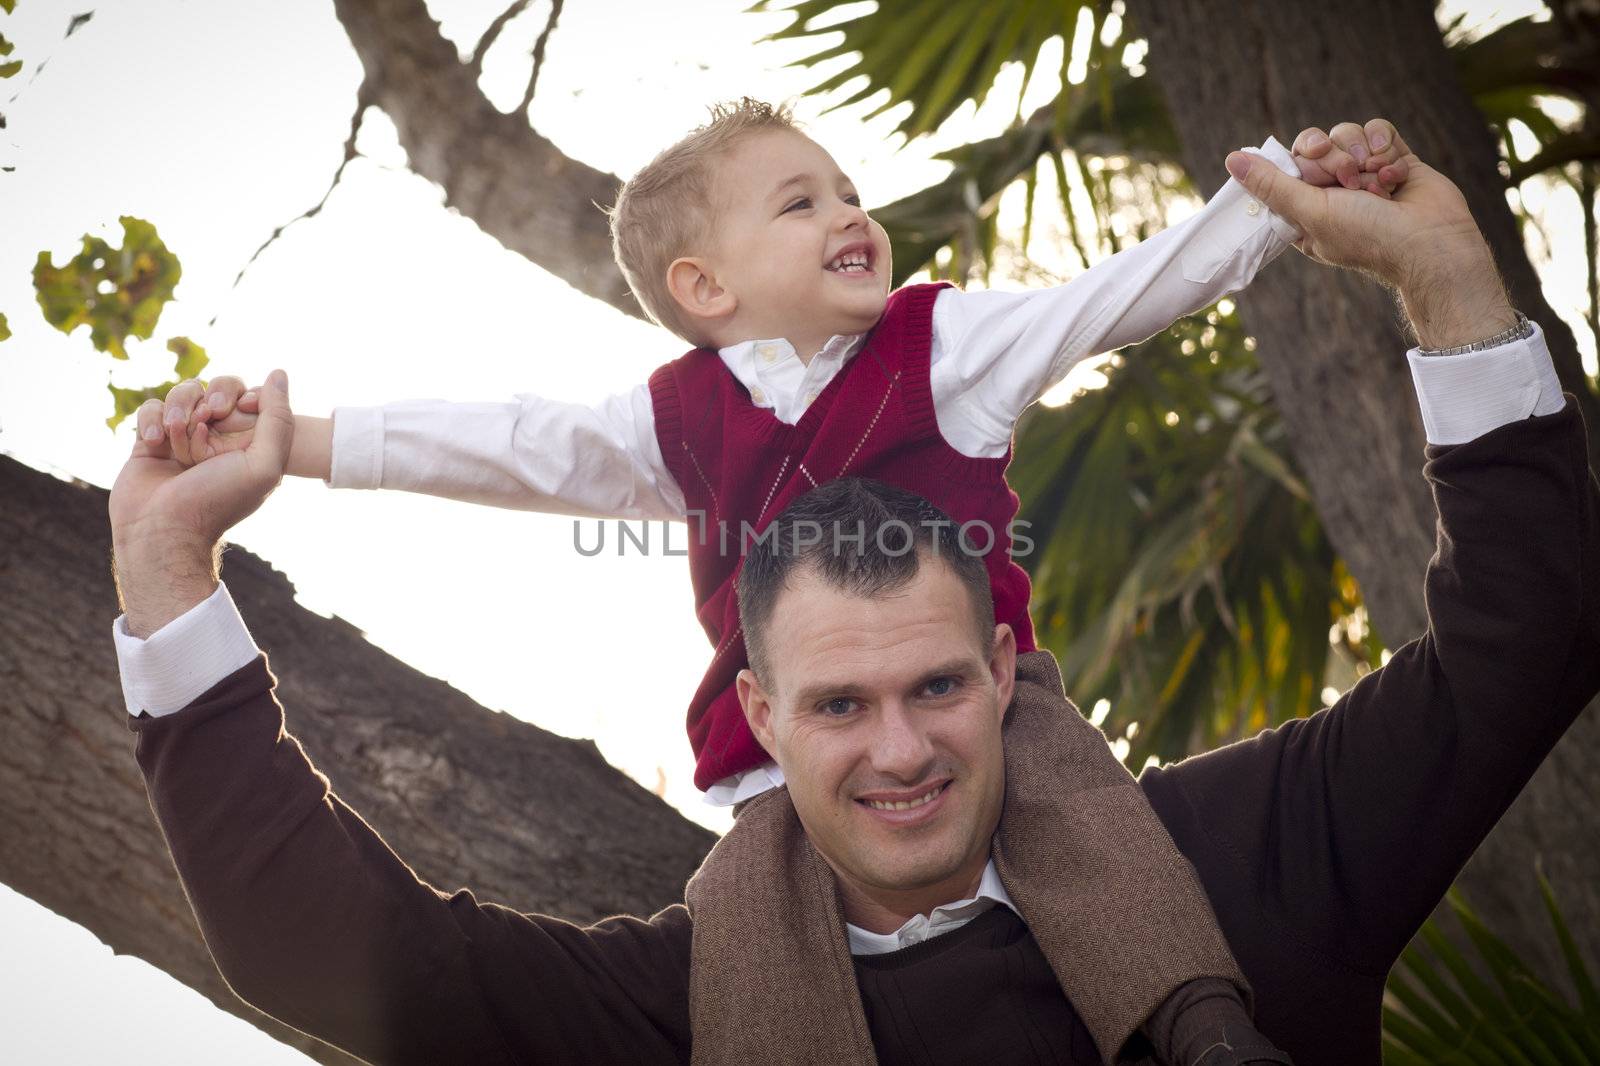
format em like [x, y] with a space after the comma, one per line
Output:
[1521, 331]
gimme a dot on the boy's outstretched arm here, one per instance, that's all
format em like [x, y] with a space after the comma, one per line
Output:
[998, 352]
[534, 454]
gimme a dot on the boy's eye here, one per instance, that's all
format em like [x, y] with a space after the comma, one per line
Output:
[853, 200]
[801, 203]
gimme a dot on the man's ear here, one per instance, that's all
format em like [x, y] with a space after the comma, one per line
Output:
[695, 290]
[757, 708]
[1003, 665]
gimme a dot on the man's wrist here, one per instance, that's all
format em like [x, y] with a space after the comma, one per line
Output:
[1457, 299]
[159, 579]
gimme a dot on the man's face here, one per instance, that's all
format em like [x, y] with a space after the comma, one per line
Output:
[792, 242]
[884, 714]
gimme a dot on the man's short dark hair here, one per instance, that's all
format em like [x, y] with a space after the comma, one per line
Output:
[863, 537]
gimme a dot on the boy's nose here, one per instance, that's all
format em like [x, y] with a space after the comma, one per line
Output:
[852, 216]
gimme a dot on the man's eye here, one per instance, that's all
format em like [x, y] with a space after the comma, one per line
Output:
[801, 203]
[942, 686]
[838, 707]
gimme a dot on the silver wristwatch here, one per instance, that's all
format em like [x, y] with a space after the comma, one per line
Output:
[1521, 331]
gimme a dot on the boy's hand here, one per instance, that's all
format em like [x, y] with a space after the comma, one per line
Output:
[1370, 157]
[201, 422]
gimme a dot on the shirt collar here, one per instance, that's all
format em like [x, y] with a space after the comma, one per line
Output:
[943, 919]
[838, 347]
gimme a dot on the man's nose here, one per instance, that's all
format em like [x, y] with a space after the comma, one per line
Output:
[901, 746]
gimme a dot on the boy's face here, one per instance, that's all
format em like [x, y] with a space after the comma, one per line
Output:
[793, 245]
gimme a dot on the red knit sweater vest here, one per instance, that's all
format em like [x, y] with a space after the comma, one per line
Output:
[737, 463]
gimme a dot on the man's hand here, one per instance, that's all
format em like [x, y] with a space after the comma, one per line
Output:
[201, 422]
[167, 520]
[1423, 242]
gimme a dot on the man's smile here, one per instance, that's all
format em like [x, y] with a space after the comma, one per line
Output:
[906, 807]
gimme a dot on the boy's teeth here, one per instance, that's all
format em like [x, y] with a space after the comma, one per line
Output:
[904, 805]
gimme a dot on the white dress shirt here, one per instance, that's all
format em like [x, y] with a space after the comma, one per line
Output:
[1461, 396]
[993, 354]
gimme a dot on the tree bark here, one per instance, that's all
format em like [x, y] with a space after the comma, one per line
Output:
[1331, 342]
[466, 795]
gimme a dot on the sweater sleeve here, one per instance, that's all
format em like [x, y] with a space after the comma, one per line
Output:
[314, 920]
[1343, 830]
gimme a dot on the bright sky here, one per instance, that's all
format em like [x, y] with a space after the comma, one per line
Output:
[218, 123]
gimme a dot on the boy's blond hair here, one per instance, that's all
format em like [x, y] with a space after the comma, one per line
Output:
[665, 211]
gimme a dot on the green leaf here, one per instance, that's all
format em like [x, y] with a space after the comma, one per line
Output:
[8, 70]
[6, 47]
[936, 57]
[8, 6]
[1588, 994]
[1438, 1008]
[1179, 571]
[126, 401]
[191, 357]
[5, 330]
[118, 292]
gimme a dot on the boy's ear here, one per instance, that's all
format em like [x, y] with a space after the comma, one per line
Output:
[757, 707]
[695, 290]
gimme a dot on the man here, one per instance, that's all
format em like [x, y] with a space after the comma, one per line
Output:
[1323, 844]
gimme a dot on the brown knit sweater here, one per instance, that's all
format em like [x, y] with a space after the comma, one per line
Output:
[1323, 844]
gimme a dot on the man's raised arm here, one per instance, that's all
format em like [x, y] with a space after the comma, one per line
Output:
[1345, 829]
[310, 916]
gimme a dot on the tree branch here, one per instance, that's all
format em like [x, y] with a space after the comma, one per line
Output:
[494, 169]
[492, 34]
[1529, 53]
[363, 101]
[538, 55]
[1582, 145]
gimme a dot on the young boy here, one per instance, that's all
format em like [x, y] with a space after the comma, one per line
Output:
[747, 240]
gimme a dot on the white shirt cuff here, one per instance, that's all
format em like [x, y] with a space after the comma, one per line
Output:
[1465, 396]
[357, 461]
[180, 661]
[1283, 159]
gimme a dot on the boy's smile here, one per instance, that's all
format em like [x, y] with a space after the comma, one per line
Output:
[792, 246]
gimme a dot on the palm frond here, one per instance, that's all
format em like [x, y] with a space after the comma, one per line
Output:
[1180, 571]
[1487, 1008]
[935, 57]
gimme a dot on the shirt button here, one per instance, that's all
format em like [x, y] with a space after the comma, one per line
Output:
[758, 397]
[767, 352]
[811, 397]
[1252, 208]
